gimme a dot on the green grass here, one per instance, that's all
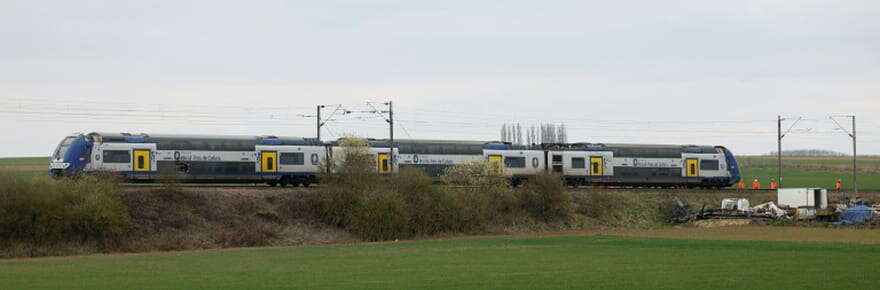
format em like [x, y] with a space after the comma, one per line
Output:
[582, 262]
[15, 161]
[811, 179]
[27, 175]
[820, 172]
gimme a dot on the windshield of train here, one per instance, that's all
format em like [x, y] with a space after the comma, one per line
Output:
[63, 147]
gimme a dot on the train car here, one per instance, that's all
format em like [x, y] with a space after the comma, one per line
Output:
[642, 165]
[433, 157]
[191, 158]
[518, 162]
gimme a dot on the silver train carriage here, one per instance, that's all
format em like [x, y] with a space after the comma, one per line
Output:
[191, 158]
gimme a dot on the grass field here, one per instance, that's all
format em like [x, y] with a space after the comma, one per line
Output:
[25, 167]
[555, 262]
[811, 171]
[19, 161]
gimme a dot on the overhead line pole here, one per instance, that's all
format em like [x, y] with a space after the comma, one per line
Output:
[779, 148]
[318, 124]
[855, 154]
[391, 133]
[855, 173]
[779, 137]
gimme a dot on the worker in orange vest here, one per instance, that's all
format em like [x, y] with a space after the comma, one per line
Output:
[741, 184]
[773, 184]
[838, 185]
[756, 184]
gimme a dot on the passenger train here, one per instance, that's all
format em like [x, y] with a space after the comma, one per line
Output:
[297, 161]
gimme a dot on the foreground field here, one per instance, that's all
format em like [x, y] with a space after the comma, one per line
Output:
[554, 262]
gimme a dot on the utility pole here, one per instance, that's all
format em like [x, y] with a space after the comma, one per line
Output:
[779, 148]
[318, 124]
[855, 154]
[390, 121]
[855, 172]
[391, 132]
[779, 137]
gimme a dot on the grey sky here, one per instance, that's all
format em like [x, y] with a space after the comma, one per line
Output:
[693, 72]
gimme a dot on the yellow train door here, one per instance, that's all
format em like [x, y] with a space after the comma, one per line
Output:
[141, 160]
[496, 164]
[384, 163]
[693, 168]
[269, 161]
[596, 166]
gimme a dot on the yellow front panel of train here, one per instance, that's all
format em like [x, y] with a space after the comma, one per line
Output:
[269, 161]
[693, 167]
[384, 163]
[596, 166]
[141, 160]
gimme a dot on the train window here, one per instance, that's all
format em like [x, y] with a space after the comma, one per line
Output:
[515, 162]
[709, 164]
[557, 158]
[270, 164]
[434, 149]
[405, 148]
[476, 149]
[63, 147]
[292, 159]
[116, 156]
[578, 162]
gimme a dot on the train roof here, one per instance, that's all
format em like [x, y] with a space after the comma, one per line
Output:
[144, 138]
[431, 141]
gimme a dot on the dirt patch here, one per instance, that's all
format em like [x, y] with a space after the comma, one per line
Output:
[23, 167]
[721, 223]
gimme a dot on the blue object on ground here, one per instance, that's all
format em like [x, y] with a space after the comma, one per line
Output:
[856, 214]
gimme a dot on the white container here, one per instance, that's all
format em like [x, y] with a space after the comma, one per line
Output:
[805, 213]
[740, 204]
[798, 197]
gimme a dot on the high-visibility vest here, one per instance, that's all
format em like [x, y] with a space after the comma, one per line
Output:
[756, 185]
[838, 185]
[741, 185]
[773, 185]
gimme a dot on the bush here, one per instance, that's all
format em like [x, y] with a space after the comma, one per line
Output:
[544, 197]
[380, 216]
[82, 208]
[598, 204]
[431, 209]
[475, 174]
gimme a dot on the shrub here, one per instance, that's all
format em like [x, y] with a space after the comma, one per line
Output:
[430, 207]
[82, 208]
[475, 174]
[598, 204]
[544, 197]
[350, 175]
[380, 216]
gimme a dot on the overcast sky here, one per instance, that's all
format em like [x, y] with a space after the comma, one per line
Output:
[678, 72]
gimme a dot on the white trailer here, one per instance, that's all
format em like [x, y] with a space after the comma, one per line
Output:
[798, 197]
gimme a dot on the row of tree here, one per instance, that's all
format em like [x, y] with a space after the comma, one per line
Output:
[810, 153]
[535, 134]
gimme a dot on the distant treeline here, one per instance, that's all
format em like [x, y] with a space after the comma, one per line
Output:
[812, 153]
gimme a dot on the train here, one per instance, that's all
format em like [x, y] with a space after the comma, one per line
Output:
[297, 161]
